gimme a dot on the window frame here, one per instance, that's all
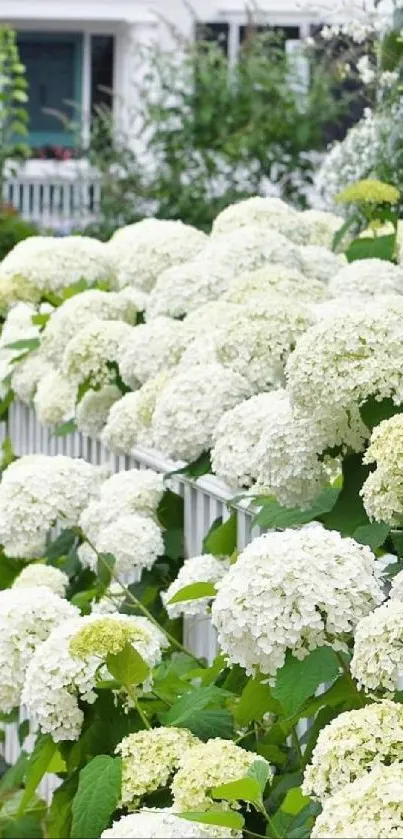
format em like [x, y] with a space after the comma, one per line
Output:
[37, 139]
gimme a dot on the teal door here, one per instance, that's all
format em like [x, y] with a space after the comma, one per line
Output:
[54, 71]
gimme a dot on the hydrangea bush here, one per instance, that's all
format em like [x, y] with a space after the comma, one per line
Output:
[259, 354]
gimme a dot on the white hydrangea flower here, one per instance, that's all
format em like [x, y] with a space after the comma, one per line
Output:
[275, 279]
[198, 569]
[255, 343]
[134, 540]
[130, 420]
[27, 616]
[95, 346]
[382, 492]
[149, 758]
[335, 306]
[190, 407]
[351, 745]
[358, 156]
[18, 326]
[55, 398]
[53, 264]
[207, 765]
[26, 375]
[141, 255]
[93, 410]
[342, 361]
[268, 604]
[38, 574]
[134, 490]
[164, 824]
[269, 212]
[151, 349]
[235, 440]
[319, 227]
[64, 669]
[318, 263]
[184, 288]
[372, 806]
[377, 662]
[206, 318]
[286, 453]
[38, 490]
[368, 277]
[77, 312]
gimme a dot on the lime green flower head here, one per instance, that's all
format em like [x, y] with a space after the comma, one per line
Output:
[103, 637]
[368, 191]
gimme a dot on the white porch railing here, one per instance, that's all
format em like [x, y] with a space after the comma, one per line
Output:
[205, 500]
[58, 196]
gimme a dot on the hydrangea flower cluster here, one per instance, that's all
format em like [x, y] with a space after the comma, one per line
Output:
[256, 210]
[93, 410]
[144, 250]
[370, 806]
[55, 397]
[35, 492]
[267, 604]
[353, 744]
[130, 419]
[64, 670]
[319, 263]
[190, 407]
[121, 522]
[382, 492]
[44, 264]
[164, 823]
[207, 765]
[90, 353]
[28, 614]
[182, 289]
[235, 439]
[367, 277]
[198, 569]
[77, 312]
[377, 663]
[38, 574]
[151, 349]
[275, 279]
[149, 759]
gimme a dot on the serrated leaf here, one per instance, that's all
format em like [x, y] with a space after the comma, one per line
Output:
[96, 798]
[228, 819]
[373, 534]
[38, 764]
[294, 802]
[193, 592]
[260, 772]
[61, 546]
[366, 247]
[273, 515]
[298, 680]
[182, 710]
[246, 789]
[58, 819]
[256, 699]
[127, 666]
[13, 778]
[170, 510]
[221, 539]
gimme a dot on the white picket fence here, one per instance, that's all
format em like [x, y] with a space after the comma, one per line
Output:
[205, 500]
[55, 202]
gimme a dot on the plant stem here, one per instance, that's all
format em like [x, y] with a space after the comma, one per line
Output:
[295, 740]
[347, 673]
[244, 736]
[263, 811]
[251, 833]
[139, 605]
[139, 710]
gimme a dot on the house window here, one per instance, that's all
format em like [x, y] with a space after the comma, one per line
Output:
[102, 60]
[54, 72]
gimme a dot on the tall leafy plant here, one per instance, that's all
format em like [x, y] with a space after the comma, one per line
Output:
[13, 103]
